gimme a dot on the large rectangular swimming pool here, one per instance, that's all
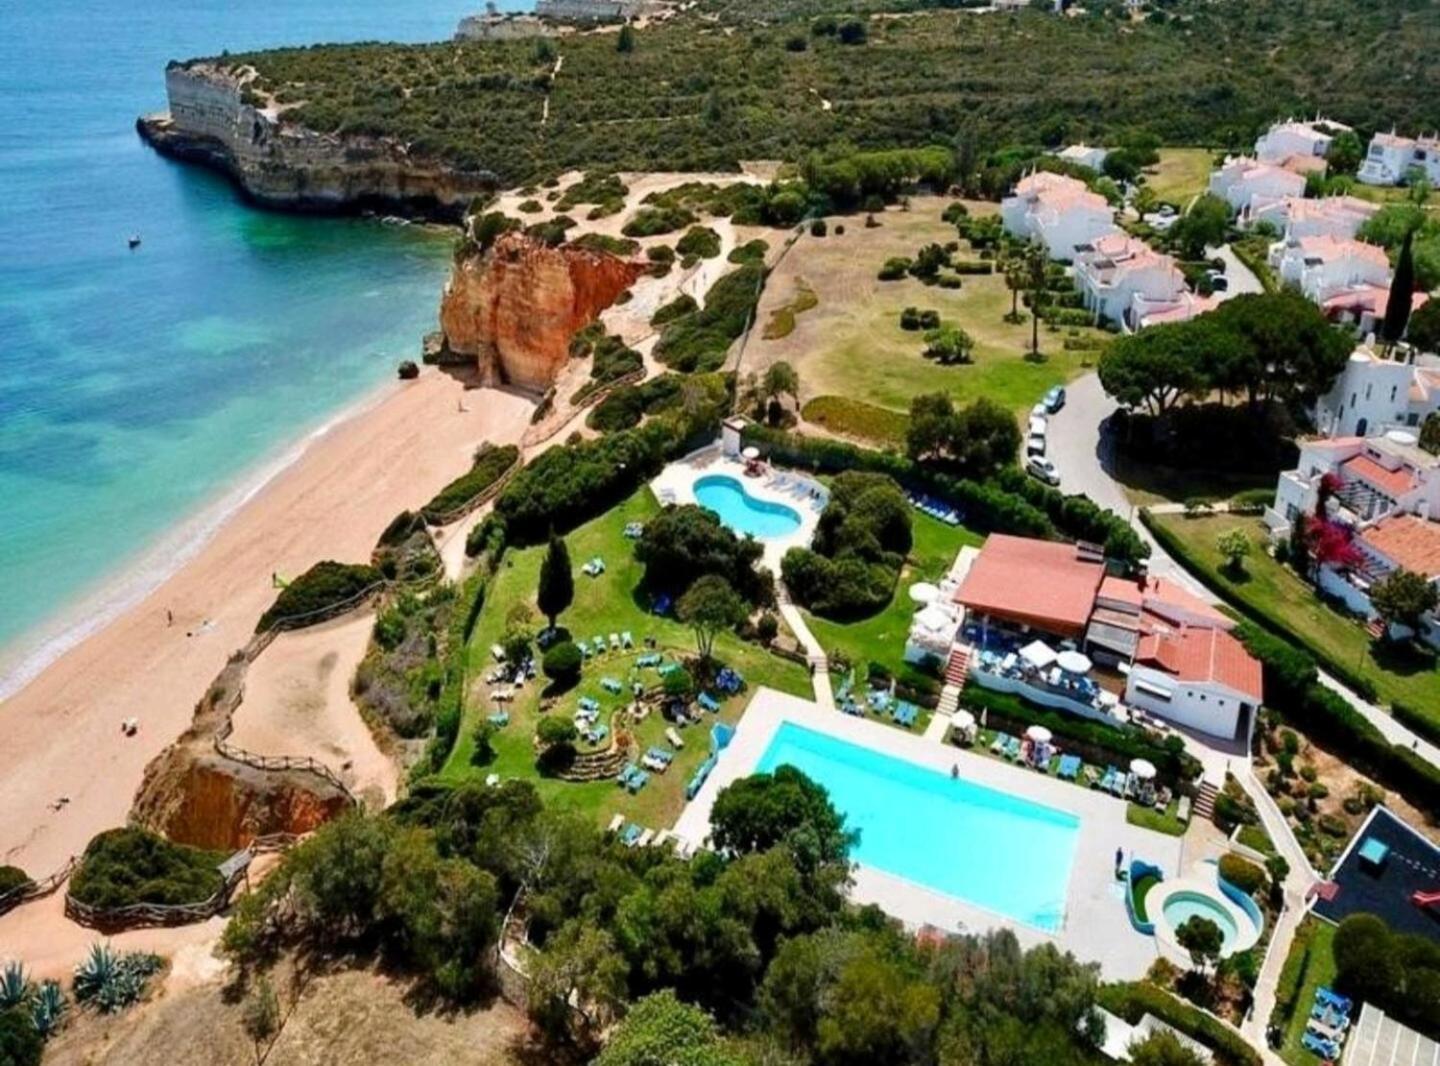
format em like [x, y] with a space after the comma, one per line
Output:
[950, 835]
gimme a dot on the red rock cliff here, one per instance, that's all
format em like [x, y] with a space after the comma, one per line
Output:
[515, 306]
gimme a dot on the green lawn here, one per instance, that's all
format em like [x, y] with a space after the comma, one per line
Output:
[1138, 892]
[1272, 591]
[1254, 836]
[1160, 821]
[1315, 940]
[1148, 483]
[1182, 174]
[881, 637]
[603, 605]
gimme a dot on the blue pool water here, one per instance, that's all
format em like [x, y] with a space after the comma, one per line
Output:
[743, 513]
[991, 849]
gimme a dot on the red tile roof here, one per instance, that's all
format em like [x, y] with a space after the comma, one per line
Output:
[1391, 482]
[1201, 654]
[1039, 583]
[1409, 540]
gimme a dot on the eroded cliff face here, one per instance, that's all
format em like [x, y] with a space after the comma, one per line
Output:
[515, 306]
[283, 165]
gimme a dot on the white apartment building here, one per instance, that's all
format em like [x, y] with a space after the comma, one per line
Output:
[1391, 158]
[1323, 267]
[1085, 155]
[1295, 217]
[1243, 180]
[1122, 279]
[1374, 394]
[1057, 211]
[1290, 141]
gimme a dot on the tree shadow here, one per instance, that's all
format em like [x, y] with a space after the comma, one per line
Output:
[1402, 657]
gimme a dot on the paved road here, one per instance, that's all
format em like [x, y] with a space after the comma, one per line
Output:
[1082, 452]
[1241, 278]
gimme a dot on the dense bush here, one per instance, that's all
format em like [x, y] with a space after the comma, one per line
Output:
[1242, 873]
[490, 463]
[650, 220]
[684, 543]
[1397, 972]
[683, 304]
[700, 340]
[20, 1042]
[701, 241]
[562, 663]
[325, 587]
[859, 546]
[1134, 1000]
[11, 878]
[603, 242]
[122, 867]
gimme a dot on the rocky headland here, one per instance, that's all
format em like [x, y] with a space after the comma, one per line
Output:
[514, 307]
[216, 120]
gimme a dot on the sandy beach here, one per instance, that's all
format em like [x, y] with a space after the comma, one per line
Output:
[62, 731]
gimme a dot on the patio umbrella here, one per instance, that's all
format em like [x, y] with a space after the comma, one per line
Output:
[962, 720]
[923, 592]
[1073, 662]
[1144, 769]
[1038, 654]
[1039, 734]
[751, 452]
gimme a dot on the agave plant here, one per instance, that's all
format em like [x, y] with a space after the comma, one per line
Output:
[48, 1008]
[97, 971]
[113, 981]
[14, 986]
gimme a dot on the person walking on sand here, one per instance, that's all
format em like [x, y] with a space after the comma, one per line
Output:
[169, 618]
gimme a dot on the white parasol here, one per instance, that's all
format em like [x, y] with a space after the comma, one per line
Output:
[923, 592]
[1073, 662]
[1038, 654]
[1039, 734]
[752, 453]
[1144, 769]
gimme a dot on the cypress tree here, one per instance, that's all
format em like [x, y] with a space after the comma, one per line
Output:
[1402, 286]
[557, 582]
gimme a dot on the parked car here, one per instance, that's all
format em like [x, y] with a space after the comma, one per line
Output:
[1035, 444]
[1219, 282]
[1039, 467]
[1038, 425]
[1039, 411]
[1054, 399]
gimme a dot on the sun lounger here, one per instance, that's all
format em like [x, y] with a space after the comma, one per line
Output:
[623, 777]
[599, 733]
[674, 737]
[1012, 749]
[645, 838]
[612, 685]
[631, 835]
[1069, 766]
[615, 824]
[499, 719]
[997, 746]
[1333, 999]
[662, 838]
[708, 702]
[626, 640]
[652, 763]
[637, 780]
[1326, 1049]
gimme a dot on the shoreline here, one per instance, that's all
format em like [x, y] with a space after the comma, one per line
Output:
[152, 564]
[329, 496]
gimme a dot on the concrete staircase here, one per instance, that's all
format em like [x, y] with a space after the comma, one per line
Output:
[1205, 800]
[949, 701]
[957, 669]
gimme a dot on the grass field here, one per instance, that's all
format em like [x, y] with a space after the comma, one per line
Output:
[850, 347]
[1160, 821]
[1312, 952]
[1272, 591]
[603, 605]
[881, 637]
[1182, 174]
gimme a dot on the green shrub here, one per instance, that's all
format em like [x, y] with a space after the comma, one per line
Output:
[530, 207]
[490, 463]
[596, 187]
[20, 1042]
[603, 242]
[11, 878]
[1132, 1001]
[562, 663]
[817, 227]
[325, 587]
[749, 252]
[700, 341]
[682, 305]
[660, 253]
[895, 268]
[123, 867]
[700, 241]
[1242, 873]
[649, 221]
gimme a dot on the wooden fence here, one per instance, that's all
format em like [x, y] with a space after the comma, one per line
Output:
[35, 889]
[484, 496]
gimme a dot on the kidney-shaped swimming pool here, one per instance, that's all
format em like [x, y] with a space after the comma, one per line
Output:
[989, 848]
[744, 513]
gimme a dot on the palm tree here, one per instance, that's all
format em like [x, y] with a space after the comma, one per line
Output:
[1036, 262]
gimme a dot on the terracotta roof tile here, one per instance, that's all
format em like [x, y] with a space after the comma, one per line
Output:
[1203, 654]
[1038, 582]
[1391, 482]
[1409, 540]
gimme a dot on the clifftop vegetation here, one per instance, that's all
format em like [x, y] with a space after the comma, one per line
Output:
[695, 96]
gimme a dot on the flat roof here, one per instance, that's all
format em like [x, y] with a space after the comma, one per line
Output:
[1379, 1040]
[1041, 583]
[1411, 864]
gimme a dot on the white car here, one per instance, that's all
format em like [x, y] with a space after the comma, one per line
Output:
[1035, 444]
[1039, 467]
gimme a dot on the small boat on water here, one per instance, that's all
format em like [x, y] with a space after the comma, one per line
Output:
[134, 241]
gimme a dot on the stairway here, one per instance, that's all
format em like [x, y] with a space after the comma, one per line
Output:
[949, 700]
[1205, 800]
[957, 670]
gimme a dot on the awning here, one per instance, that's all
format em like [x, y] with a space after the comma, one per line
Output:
[1038, 654]
[1155, 690]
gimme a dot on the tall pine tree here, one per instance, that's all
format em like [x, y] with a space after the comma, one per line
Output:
[1402, 288]
[557, 582]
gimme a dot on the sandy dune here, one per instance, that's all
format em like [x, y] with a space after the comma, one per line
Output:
[297, 702]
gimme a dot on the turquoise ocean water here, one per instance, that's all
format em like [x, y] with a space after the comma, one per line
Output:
[138, 388]
[997, 851]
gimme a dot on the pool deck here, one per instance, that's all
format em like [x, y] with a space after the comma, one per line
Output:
[1095, 928]
[676, 484]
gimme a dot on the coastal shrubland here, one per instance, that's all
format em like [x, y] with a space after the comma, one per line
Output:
[700, 340]
[326, 587]
[684, 543]
[688, 97]
[490, 462]
[123, 867]
[627, 406]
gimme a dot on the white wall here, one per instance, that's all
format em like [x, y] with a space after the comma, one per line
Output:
[1201, 707]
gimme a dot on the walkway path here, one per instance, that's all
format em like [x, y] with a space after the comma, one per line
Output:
[819, 664]
[1082, 453]
[1239, 278]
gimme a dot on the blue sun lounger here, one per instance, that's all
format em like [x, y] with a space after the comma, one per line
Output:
[637, 780]
[611, 685]
[1326, 1049]
[1069, 767]
[1333, 999]
[631, 833]
[499, 718]
[708, 702]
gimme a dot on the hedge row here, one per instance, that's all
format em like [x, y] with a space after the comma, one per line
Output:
[1422, 724]
[490, 464]
[1010, 502]
[1134, 1000]
[1326, 717]
[1273, 621]
[1094, 741]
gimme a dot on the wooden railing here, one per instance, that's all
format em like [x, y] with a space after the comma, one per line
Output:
[484, 496]
[35, 889]
[145, 915]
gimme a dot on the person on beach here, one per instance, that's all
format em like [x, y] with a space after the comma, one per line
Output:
[169, 618]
